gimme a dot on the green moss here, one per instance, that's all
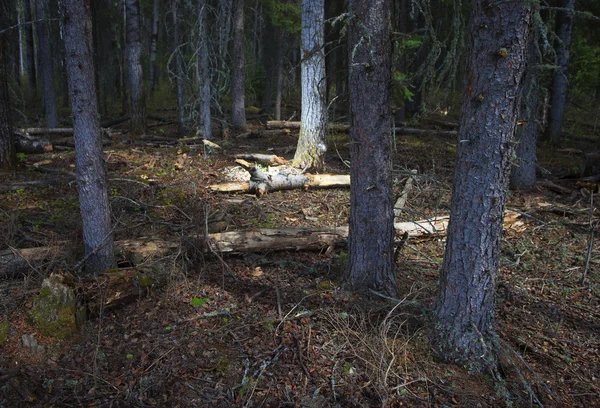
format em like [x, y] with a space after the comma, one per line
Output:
[252, 109]
[4, 327]
[54, 313]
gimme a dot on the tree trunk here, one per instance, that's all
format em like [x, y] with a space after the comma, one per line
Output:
[134, 65]
[522, 175]
[370, 263]
[152, 67]
[462, 330]
[564, 25]
[279, 38]
[45, 64]
[238, 108]
[268, 62]
[29, 50]
[178, 69]
[203, 71]
[89, 160]
[7, 147]
[311, 147]
[123, 57]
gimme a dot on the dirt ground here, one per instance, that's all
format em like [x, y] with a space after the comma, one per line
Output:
[276, 329]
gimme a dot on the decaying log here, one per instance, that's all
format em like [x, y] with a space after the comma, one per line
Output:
[282, 124]
[261, 182]
[555, 187]
[31, 145]
[401, 201]
[412, 131]
[47, 131]
[269, 159]
[15, 263]
[19, 185]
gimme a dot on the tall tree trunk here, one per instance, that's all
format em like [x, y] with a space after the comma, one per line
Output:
[311, 147]
[204, 79]
[178, 69]
[238, 109]
[278, 71]
[268, 62]
[45, 56]
[370, 262]
[462, 329]
[7, 146]
[123, 56]
[564, 26]
[134, 67]
[29, 50]
[522, 175]
[89, 162]
[152, 67]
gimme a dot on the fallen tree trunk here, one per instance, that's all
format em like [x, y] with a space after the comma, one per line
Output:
[19, 185]
[31, 145]
[413, 131]
[282, 124]
[261, 182]
[47, 131]
[269, 159]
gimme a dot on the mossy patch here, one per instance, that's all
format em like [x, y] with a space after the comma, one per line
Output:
[54, 310]
[4, 327]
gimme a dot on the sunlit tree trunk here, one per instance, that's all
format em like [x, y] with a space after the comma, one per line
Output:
[560, 82]
[238, 109]
[203, 71]
[462, 328]
[45, 65]
[89, 161]
[370, 262]
[137, 102]
[311, 147]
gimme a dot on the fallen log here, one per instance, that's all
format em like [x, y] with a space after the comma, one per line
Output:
[413, 131]
[31, 145]
[282, 124]
[262, 182]
[19, 185]
[47, 131]
[269, 159]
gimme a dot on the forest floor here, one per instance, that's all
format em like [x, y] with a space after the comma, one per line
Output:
[276, 329]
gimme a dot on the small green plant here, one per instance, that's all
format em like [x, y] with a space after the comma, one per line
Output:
[129, 356]
[197, 302]
[21, 157]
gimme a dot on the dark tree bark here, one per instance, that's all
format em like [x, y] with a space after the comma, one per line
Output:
[370, 263]
[311, 148]
[106, 59]
[204, 71]
[560, 83]
[462, 330]
[178, 69]
[238, 108]
[123, 57]
[29, 50]
[134, 65]
[522, 175]
[278, 71]
[89, 163]
[45, 65]
[7, 146]
[268, 63]
[152, 67]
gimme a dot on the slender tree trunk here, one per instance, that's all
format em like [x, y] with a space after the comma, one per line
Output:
[370, 263]
[268, 62]
[278, 71]
[462, 330]
[204, 71]
[134, 67]
[89, 163]
[178, 69]
[238, 111]
[7, 146]
[522, 175]
[47, 75]
[152, 67]
[560, 82]
[311, 147]
[29, 50]
[123, 57]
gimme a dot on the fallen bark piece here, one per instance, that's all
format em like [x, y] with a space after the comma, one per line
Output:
[31, 145]
[269, 159]
[262, 182]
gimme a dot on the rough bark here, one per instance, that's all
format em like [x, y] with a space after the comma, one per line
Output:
[311, 147]
[89, 160]
[29, 50]
[564, 26]
[152, 67]
[178, 69]
[7, 148]
[203, 71]
[137, 103]
[462, 330]
[238, 108]
[370, 263]
[45, 65]
[522, 175]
